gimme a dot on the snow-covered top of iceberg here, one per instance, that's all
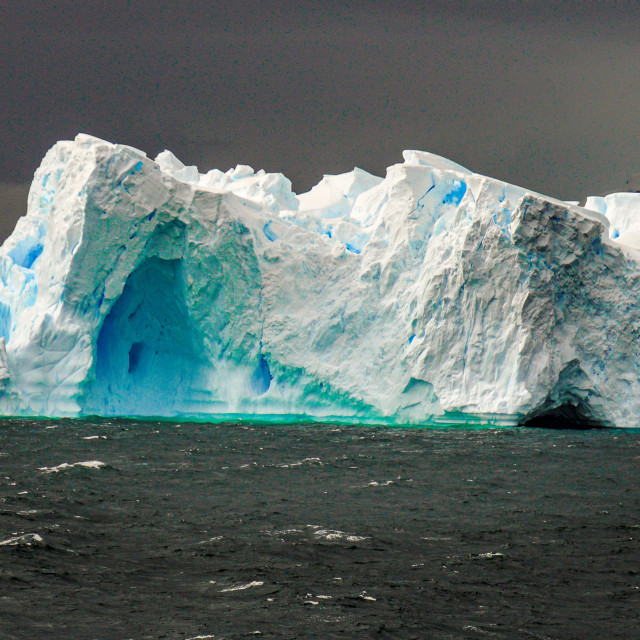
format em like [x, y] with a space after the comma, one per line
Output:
[622, 210]
[143, 287]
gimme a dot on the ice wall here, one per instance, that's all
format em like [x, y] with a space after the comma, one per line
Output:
[138, 287]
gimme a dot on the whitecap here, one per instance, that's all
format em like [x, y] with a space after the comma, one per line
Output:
[282, 532]
[88, 464]
[491, 554]
[25, 539]
[375, 483]
[299, 463]
[335, 534]
[242, 587]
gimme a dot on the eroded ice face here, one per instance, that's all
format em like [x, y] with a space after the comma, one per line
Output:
[141, 287]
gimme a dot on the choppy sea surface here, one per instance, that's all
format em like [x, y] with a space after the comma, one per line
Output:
[134, 530]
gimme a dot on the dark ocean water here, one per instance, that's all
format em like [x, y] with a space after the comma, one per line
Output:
[229, 531]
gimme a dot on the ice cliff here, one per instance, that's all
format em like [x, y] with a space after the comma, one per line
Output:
[136, 287]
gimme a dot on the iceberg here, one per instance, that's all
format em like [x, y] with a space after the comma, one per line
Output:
[139, 287]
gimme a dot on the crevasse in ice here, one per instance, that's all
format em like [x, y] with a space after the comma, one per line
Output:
[135, 287]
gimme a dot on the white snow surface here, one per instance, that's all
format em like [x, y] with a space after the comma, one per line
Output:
[623, 212]
[136, 287]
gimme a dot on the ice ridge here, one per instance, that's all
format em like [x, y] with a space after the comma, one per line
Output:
[139, 287]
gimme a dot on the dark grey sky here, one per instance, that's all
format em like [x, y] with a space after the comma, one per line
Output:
[542, 94]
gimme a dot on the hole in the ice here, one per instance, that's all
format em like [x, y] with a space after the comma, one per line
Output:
[24, 254]
[5, 320]
[134, 356]
[458, 189]
[268, 232]
[261, 377]
[351, 248]
[565, 416]
[147, 356]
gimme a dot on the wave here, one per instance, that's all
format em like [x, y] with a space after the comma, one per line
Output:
[65, 466]
[242, 587]
[27, 539]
